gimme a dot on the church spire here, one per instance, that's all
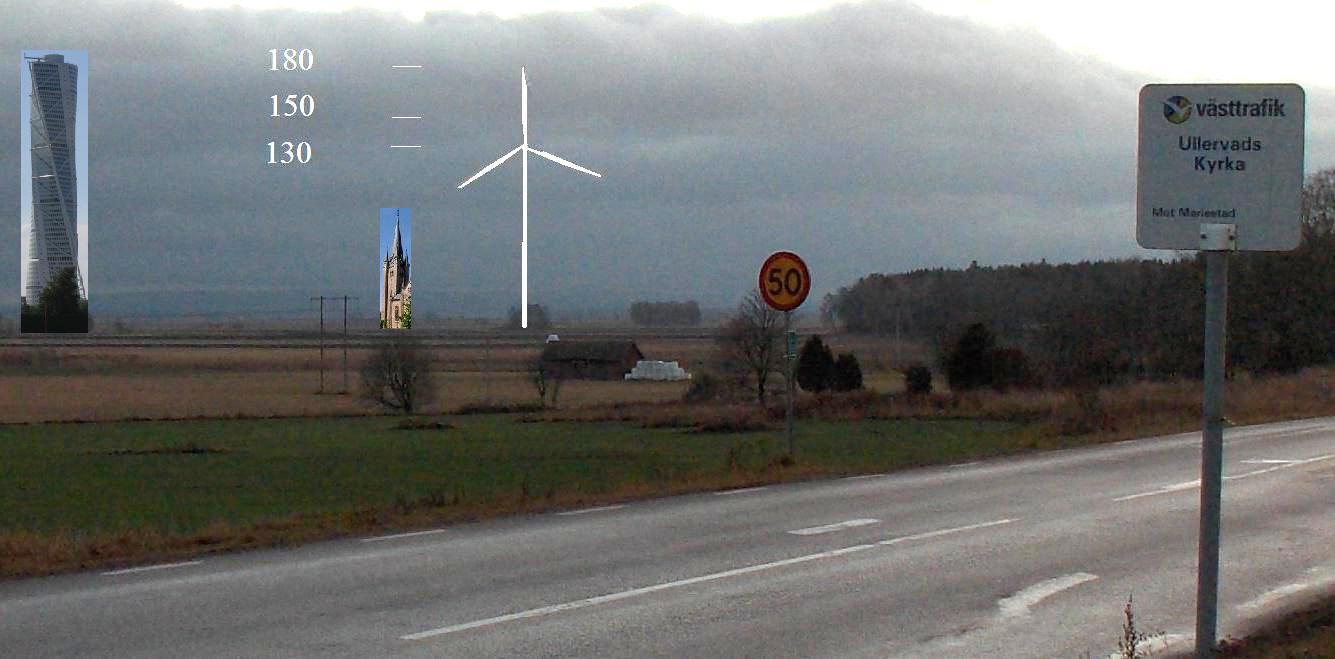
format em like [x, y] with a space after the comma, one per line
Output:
[398, 240]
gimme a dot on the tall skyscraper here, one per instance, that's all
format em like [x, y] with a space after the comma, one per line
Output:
[53, 244]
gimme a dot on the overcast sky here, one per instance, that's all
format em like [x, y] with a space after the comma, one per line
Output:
[874, 137]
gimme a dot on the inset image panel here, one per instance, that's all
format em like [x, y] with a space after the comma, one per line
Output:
[396, 284]
[53, 232]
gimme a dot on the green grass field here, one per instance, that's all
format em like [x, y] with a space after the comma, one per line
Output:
[177, 477]
[92, 494]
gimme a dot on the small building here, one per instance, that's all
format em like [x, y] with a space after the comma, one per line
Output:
[591, 360]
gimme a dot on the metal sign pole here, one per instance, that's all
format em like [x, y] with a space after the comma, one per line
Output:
[1261, 205]
[788, 380]
[1212, 450]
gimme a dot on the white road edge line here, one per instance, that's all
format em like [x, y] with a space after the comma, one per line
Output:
[933, 534]
[1019, 604]
[837, 526]
[1191, 485]
[965, 464]
[861, 477]
[1274, 595]
[396, 536]
[743, 490]
[150, 568]
[1175, 487]
[635, 592]
[598, 509]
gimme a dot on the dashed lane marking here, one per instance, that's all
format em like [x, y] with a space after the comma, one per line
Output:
[635, 592]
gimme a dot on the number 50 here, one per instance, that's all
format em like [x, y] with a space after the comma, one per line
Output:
[789, 282]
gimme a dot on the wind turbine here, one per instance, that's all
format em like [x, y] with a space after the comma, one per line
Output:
[525, 149]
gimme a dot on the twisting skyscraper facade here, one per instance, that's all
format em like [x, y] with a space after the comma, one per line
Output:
[53, 243]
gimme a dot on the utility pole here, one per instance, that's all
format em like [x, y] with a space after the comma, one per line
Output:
[321, 299]
[899, 357]
[486, 369]
[332, 298]
[345, 342]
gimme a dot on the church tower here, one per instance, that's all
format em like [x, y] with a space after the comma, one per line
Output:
[397, 289]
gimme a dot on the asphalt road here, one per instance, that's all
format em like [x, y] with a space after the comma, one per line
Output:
[1022, 557]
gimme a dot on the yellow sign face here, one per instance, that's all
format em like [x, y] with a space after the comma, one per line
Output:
[784, 281]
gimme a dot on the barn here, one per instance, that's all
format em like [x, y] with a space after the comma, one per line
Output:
[591, 360]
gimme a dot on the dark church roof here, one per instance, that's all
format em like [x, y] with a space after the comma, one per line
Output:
[398, 242]
[397, 257]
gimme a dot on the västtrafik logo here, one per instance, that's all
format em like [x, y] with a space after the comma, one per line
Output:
[1177, 109]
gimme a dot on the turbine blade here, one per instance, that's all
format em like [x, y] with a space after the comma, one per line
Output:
[523, 102]
[562, 161]
[490, 167]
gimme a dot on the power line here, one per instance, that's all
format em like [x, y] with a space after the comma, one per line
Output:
[331, 298]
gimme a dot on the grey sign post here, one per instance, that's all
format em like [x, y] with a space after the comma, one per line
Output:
[784, 284]
[1219, 169]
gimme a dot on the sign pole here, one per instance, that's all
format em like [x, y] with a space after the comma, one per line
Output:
[1219, 168]
[1212, 450]
[784, 284]
[788, 380]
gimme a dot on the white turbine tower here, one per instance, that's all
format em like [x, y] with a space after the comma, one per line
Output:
[525, 149]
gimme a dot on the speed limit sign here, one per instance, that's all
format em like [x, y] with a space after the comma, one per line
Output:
[784, 281]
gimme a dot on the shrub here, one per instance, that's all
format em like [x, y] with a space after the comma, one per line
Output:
[547, 380]
[499, 408]
[975, 361]
[1083, 414]
[704, 387]
[397, 375]
[969, 362]
[918, 380]
[847, 373]
[733, 420]
[423, 424]
[815, 366]
[1010, 368]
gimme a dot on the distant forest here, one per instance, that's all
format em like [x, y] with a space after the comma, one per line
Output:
[1112, 320]
[658, 314]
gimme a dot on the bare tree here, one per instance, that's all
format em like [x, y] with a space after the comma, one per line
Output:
[547, 381]
[397, 375]
[1318, 205]
[751, 341]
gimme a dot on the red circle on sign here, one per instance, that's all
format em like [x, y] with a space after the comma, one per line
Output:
[784, 281]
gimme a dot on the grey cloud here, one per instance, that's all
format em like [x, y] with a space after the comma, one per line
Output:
[872, 137]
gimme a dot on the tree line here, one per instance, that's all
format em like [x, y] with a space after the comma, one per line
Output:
[60, 308]
[660, 314]
[1106, 320]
